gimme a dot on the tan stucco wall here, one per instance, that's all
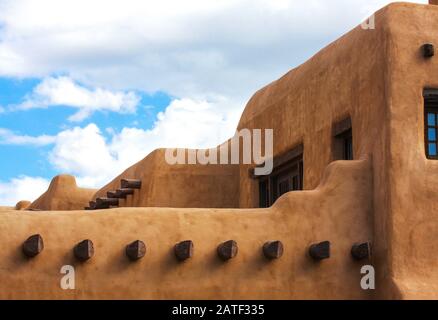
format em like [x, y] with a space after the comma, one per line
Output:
[374, 76]
[22, 205]
[179, 186]
[350, 77]
[339, 211]
[300, 107]
[411, 218]
[347, 78]
[63, 194]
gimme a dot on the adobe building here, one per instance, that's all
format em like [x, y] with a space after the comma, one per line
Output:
[354, 183]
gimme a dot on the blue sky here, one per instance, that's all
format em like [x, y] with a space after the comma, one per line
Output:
[31, 160]
[90, 87]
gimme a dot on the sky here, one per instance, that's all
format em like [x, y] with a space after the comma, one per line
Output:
[89, 88]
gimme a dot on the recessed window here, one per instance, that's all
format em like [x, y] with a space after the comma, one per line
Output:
[264, 193]
[431, 122]
[286, 176]
[343, 140]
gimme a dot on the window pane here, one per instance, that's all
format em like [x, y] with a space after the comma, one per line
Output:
[348, 148]
[295, 185]
[264, 200]
[431, 119]
[432, 149]
[432, 134]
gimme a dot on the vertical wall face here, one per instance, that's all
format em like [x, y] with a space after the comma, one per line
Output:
[338, 211]
[374, 76]
[413, 216]
[349, 78]
[359, 76]
[346, 79]
[377, 78]
[179, 185]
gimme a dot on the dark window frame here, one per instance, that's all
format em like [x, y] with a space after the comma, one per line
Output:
[343, 140]
[430, 107]
[290, 168]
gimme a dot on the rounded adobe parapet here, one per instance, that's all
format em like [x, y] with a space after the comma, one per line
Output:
[22, 205]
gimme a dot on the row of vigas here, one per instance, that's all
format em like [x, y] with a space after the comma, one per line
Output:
[184, 250]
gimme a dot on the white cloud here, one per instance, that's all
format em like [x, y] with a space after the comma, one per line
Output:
[22, 188]
[63, 91]
[94, 160]
[191, 48]
[82, 152]
[10, 138]
[185, 123]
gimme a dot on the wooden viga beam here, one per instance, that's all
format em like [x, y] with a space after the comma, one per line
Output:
[91, 206]
[136, 250]
[227, 250]
[84, 250]
[111, 194]
[130, 184]
[183, 250]
[33, 246]
[122, 193]
[106, 203]
[320, 251]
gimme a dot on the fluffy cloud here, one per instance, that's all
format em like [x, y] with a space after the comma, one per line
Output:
[191, 48]
[10, 138]
[185, 123]
[63, 91]
[94, 160]
[22, 188]
[82, 151]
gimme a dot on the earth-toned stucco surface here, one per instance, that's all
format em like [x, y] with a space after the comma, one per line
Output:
[386, 196]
